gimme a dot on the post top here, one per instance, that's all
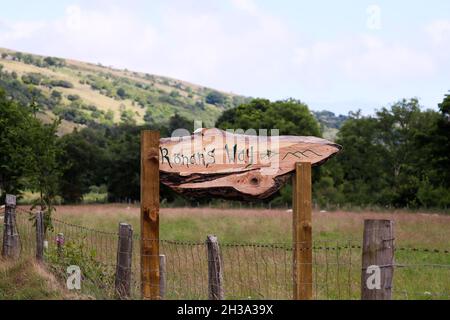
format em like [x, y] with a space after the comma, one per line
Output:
[10, 200]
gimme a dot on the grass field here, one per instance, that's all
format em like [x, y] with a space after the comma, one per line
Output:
[266, 226]
[255, 247]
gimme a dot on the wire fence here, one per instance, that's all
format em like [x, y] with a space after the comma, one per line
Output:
[250, 271]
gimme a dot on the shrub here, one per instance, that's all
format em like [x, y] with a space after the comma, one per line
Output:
[215, 97]
[61, 83]
[32, 78]
[121, 93]
[73, 97]
[94, 274]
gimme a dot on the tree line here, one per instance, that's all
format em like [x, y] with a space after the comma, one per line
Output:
[398, 157]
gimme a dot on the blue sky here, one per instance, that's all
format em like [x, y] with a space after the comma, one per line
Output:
[335, 55]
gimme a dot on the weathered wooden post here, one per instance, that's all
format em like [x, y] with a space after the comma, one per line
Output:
[124, 258]
[10, 248]
[39, 236]
[162, 276]
[377, 260]
[150, 214]
[215, 276]
[302, 232]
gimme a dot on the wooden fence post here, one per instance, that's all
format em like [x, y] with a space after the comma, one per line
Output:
[150, 214]
[302, 232]
[124, 258]
[377, 260]
[10, 248]
[162, 276]
[40, 236]
[215, 276]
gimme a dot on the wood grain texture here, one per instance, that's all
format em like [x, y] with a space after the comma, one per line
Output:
[302, 232]
[11, 244]
[150, 214]
[124, 259]
[215, 273]
[212, 162]
[378, 250]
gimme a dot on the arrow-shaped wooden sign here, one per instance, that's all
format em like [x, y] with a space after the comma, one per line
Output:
[212, 162]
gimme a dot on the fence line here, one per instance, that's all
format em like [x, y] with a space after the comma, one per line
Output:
[250, 270]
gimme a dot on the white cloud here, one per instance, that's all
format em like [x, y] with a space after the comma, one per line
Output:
[439, 31]
[12, 31]
[245, 49]
[362, 58]
[248, 6]
[111, 36]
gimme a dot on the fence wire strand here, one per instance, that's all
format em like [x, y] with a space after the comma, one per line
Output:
[250, 270]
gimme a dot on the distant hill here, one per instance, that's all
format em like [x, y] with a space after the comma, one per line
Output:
[83, 93]
[329, 123]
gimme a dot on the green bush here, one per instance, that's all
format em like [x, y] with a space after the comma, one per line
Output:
[95, 275]
[61, 83]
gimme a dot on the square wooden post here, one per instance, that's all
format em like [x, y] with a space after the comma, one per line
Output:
[302, 232]
[377, 260]
[11, 244]
[150, 215]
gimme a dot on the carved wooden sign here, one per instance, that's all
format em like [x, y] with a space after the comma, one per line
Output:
[217, 163]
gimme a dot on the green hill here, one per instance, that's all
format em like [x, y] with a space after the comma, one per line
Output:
[83, 94]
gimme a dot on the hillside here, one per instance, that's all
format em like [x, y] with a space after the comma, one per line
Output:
[329, 123]
[83, 94]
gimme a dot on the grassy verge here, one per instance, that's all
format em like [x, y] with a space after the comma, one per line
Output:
[253, 269]
[26, 280]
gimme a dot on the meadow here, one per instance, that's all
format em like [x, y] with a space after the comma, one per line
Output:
[256, 250]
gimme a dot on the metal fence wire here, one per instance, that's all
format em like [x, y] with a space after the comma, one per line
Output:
[250, 270]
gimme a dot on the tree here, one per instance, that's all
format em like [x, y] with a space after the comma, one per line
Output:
[179, 122]
[121, 93]
[15, 123]
[123, 175]
[290, 117]
[394, 158]
[43, 171]
[84, 158]
[127, 117]
[215, 97]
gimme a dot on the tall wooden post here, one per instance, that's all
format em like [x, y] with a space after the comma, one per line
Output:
[377, 260]
[302, 232]
[150, 214]
[11, 246]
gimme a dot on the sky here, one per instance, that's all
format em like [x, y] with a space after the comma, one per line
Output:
[335, 55]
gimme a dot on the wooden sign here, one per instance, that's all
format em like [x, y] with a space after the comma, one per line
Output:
[216, 163]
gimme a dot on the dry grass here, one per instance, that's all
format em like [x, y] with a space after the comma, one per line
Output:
[233, 225]
[28, 280]
[88, 95]
[260, 271]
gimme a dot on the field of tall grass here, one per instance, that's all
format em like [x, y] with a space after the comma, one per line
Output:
[256, 250]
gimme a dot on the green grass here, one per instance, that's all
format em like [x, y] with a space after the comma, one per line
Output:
[261, 265]
[24, 280]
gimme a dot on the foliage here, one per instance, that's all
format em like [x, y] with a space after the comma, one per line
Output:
[215, 97]
[15, 124]
[394, 158]
[94, 273]
[289, 117]
[83, 160]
